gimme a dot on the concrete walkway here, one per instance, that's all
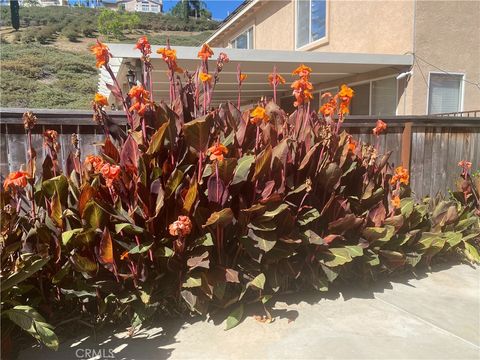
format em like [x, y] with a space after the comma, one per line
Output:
[435, 317]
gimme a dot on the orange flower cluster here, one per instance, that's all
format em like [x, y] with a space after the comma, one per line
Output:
[217, 151]
[242, 78]
[100, 100]
[258, 115]
[275, 79]
[170, 57]
[396, 202]
[181, 228]
[379, 128]
[204, 77]
[328, 108]
[110, 173]
[16, 179]
[465, 164]
[205, 52]
[140, 98]
[302, 87]
[352, 144]
[101, 52]
[345, 95]
[401, 175]
[94, 162]
[144, 46]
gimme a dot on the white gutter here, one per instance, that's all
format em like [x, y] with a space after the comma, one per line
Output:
[232, 20]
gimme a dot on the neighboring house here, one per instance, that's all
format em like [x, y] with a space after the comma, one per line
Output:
[53, 2]
[153, 6]
[442, 36]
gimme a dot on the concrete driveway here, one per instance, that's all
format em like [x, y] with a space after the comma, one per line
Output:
[436, 316]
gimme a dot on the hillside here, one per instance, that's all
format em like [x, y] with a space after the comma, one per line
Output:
[47, 63]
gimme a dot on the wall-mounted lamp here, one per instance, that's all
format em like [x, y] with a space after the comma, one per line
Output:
[405, 74]
[131, 78]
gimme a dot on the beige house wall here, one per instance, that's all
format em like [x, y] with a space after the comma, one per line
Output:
[447, 35]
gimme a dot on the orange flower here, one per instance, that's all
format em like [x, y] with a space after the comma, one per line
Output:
[302, 71]
[100, 100]
[140, 97]
[217, 151]
[352, 144]
[144, 46]
[258, 115]
[301, 91]
[465, 164]
[110, 173]
[101, 52]
[50, 137]
[205, 53]
[275, 79]
[16, 179]
[168, 55]
[243, 77]
[330, 106]
[396, 202]
[345, 91]
[401, 175]
[124, 255]
[95, 162]
[181, 228]
[204, 77]
[379, 128]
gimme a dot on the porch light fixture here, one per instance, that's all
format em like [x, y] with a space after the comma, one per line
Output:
[131, 77]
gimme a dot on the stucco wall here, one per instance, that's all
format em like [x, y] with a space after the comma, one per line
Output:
[378, 27]
[447, 35]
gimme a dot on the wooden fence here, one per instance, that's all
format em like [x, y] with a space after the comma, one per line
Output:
[431, 146]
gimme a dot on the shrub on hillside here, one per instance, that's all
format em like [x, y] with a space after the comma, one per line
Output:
[205, 208]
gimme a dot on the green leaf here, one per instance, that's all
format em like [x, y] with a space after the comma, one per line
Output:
[221, 218]
[58, 184]
[197, 133]
[339, 256]
[265, 240]
[265, 298]
[164, 252]
[472, 253]
[68, 235]
[466, 223]
[262, 163]
[30, 267]
[308, 217]
[192, 281]
[205, 240]
[235, 317]
[56, 213]
[258, 282]
[46, 335]
[452, 238]
[173, 181]
[406, 207]
[128, 228]
[157, 140]
[94, 215]
[83, 264]
[243, 169]
[141, 248]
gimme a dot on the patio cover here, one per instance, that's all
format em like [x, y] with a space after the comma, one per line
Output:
[257, 64]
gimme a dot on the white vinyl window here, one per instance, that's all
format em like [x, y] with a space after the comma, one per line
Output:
[145, 7]
[244, 40]
[445, 93]
[376, 97]
[311, 21]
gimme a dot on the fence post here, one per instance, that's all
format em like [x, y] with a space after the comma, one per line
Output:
[407, 145]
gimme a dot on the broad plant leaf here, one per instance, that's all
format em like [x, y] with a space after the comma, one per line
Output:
[234, 318]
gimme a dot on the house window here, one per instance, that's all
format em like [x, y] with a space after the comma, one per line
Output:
[145, 7]
[376, 97]
[311, 21]
[244, 40]
[154, 8]
[445, 93]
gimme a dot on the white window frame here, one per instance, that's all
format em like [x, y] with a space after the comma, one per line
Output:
[252, 28]
[363, 82]
[462, 87]
[315, 43]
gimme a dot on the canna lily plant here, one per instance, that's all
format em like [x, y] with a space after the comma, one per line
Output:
[203, 208]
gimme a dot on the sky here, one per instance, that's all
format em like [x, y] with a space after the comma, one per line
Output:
[219, 8]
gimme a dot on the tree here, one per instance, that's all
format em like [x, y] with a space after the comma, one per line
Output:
[191, 8]
[15, 15]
